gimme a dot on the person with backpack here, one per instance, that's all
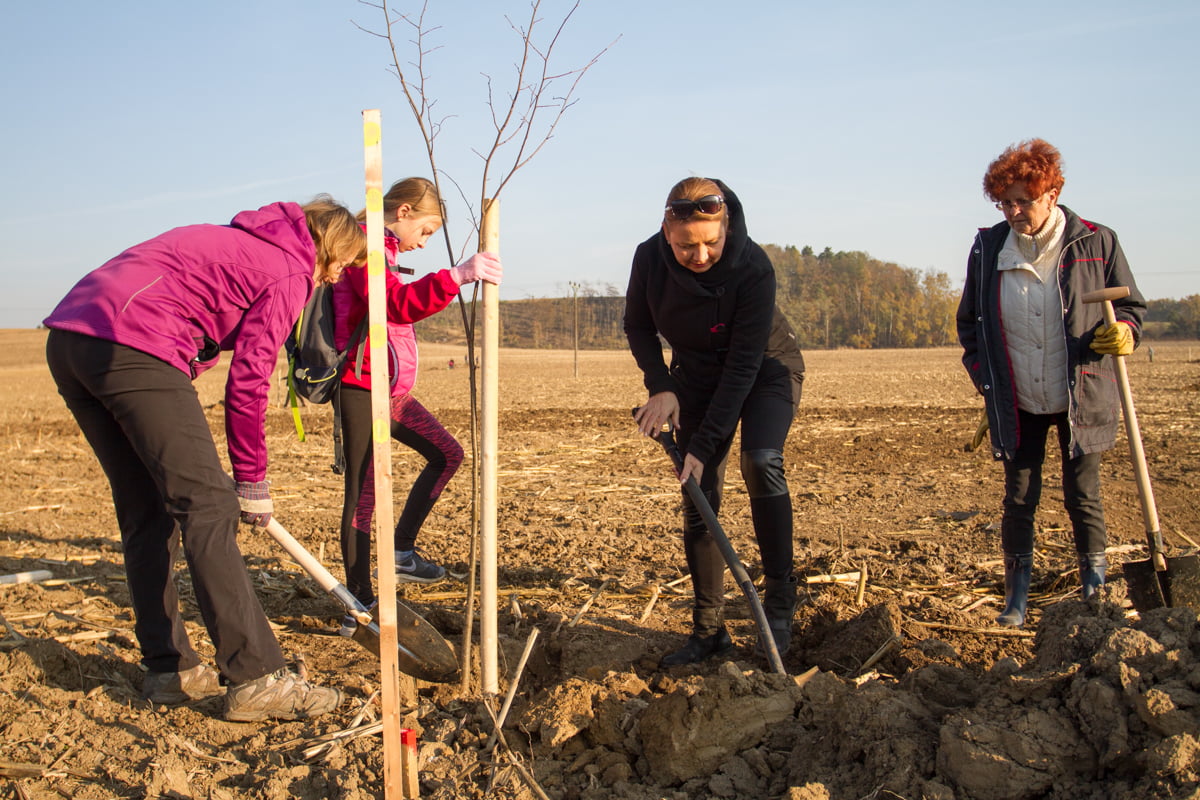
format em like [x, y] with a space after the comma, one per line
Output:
[412, 212]
[124, 346]
[706, 288]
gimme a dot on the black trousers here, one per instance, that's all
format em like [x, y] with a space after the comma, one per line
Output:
[765, 420]
[1023, 487]
[143, 419]
[414, 426]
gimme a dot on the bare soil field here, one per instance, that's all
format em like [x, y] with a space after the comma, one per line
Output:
[897, 687]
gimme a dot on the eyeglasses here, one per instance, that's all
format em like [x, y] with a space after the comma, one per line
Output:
[1012, 205]
[685, 209]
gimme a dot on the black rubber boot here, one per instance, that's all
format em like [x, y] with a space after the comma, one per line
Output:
[709, 639]
[1092, 567]
[779, 604]
[1018, 570]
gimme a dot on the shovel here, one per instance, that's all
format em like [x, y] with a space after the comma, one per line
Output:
[423, 653]
[667, 439]
[1158, 581]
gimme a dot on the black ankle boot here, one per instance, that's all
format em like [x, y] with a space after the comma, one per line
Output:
[779, 605]
[698, 648]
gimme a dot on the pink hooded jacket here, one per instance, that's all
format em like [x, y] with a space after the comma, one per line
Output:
[193, 289]
[406, 303]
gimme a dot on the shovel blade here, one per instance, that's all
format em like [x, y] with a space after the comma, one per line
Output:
[1175, 587]
[421, 650]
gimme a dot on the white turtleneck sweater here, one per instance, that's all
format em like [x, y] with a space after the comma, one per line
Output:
[1032, 315]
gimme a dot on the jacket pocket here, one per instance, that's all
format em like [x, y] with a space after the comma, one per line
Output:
[1096, 396]
[207, 353]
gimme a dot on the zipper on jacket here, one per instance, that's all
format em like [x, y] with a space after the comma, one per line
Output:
[1072, 404]
[983, 335]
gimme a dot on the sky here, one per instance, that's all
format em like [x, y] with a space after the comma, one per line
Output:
[854, 125]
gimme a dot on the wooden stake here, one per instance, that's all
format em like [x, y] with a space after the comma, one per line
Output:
[512, 690]
[396, 765]
[489, 241]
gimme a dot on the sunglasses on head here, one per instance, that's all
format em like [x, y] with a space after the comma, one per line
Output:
[685, 209]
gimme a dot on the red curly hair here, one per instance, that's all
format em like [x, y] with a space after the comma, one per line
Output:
[1035, 162]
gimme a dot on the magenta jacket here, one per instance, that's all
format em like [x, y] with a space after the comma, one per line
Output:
[182, 295]
[406, 303]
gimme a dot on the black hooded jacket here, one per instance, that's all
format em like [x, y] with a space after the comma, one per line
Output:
[722, 325]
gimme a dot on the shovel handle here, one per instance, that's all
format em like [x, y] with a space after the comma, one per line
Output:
[1133, 432]
[667, 439]
[316, 570]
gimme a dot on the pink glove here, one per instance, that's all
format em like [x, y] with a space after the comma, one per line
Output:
[479, 267]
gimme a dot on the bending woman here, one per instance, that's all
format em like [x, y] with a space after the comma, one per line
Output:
[705, 287]
[124, 347]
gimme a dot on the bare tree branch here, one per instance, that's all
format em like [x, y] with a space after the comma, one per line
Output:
[514, 129]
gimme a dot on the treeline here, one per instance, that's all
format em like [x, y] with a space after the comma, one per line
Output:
[848, 299]
[833, 299]
[545, 323]
[1174, 319]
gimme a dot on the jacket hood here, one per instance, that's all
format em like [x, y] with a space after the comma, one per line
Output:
[736, 239]
[282, 225]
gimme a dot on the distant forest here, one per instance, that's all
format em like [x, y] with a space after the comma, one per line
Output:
[833, 299]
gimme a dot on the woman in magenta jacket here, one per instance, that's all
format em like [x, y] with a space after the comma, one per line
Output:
[124, 347]
[412, 213]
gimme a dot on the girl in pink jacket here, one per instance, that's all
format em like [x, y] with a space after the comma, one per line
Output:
[412, 213]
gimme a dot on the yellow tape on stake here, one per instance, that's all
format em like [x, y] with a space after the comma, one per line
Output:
[396, 769]
[375, 199]
[371, 132]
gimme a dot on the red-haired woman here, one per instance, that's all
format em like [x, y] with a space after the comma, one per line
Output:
[1038, 355]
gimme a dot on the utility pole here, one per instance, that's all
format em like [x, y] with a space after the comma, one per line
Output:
[575, 310]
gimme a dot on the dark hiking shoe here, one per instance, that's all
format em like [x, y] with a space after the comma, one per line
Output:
[413, 567]
[699, 648]
[279, 695]
[176, 688]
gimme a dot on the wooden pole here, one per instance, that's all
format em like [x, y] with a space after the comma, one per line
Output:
[394, 761]
[489, 240]
[575, 313]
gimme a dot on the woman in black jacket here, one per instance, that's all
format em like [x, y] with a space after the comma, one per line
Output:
[702, 285]
[1039, 355]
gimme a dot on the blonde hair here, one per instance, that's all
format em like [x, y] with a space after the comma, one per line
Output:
[336, 233]
[694, 189]
[419, 194]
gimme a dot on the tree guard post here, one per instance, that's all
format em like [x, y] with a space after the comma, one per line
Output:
[489, 240]
[399, 771]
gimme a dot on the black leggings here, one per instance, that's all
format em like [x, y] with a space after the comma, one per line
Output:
[142, 418]
[413, 426]
[765, 420]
